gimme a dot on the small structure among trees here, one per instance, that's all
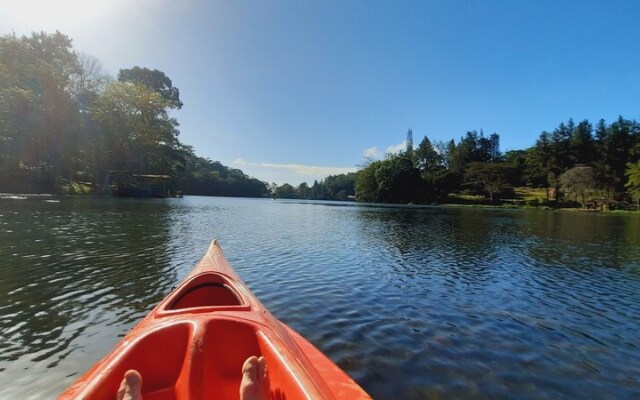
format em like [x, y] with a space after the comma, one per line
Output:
[602, 204]
[138, 185]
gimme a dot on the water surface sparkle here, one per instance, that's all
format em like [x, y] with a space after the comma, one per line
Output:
[412, 303]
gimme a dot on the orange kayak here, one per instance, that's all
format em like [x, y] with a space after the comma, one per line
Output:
[193, 345]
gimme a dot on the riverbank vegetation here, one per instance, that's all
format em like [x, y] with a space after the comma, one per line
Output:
[574, 165]
[66, 125]
[334, 187]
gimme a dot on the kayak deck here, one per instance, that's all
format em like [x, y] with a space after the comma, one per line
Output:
[194, 343]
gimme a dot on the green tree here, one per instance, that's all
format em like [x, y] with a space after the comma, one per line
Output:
[493, 178]
[494, 148]
[86, 87]
[427, 158]
[318, 191]
[456, 156]
[63, 118]
[561, 137]
[367, 183]
[339, 187]
[303, 191]
[581, 145]
[398, 180]
[518, 159]
[285, 191]
[615, 147]
[137, 134]
[202, 176]
[541, 166]
[440, 183]
[36, 111]
[392, 180]
[156, 81]
[88, 82]
[633, 182]
[579, 183]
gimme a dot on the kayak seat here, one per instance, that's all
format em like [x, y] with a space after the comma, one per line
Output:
[200, 358]
[226, 346]
[159, 356]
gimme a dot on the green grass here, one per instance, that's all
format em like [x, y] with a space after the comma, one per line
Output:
[528, 194]
[629, 212]
[467, 197]
[525, 197]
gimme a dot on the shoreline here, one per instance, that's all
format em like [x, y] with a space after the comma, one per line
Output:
[505, 206]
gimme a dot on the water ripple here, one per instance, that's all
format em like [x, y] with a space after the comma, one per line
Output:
[412, 302]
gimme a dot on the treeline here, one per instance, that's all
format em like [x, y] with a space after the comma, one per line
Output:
[574, 163]
[575, 160]
[64, 119]
[202, 176]
[334, 187]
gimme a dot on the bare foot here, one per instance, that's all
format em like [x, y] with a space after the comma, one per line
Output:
[131, 386]
[254, 385]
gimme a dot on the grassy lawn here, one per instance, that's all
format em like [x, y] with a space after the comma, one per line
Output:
[525, 197]
[528, 194]
[466, 197]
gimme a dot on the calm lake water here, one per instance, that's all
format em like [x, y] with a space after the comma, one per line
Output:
[413, 303]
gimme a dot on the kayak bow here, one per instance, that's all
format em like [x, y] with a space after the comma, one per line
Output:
[193, 344]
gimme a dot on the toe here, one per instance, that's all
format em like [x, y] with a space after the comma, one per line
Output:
[250, 368]
[130, 387]
[262, 368]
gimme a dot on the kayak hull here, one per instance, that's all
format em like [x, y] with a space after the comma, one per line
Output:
[193, 344]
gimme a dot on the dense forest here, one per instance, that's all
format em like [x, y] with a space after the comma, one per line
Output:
[67, 126]
[64, 120]
[574, 163]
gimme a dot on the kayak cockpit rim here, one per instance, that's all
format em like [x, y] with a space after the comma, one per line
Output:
[204, 292]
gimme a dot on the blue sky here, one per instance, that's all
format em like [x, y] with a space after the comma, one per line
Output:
[290, 91]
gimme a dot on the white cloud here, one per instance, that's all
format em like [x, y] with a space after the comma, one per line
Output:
[289, 173]
[397, 148]
[371, 152]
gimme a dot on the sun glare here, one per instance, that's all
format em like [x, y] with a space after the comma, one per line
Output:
[52, 14]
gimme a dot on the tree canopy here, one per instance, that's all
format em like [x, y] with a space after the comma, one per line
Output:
[633, 183]
[570, 160]
[63, 119]
[334, 187]
[154, 80]
[579, 183]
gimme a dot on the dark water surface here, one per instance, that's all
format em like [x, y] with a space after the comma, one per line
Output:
[412, 303]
